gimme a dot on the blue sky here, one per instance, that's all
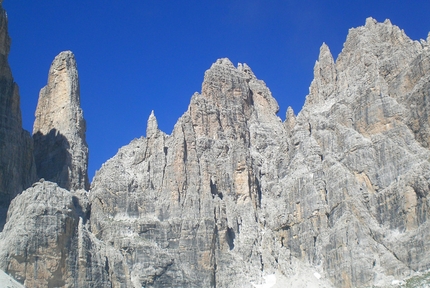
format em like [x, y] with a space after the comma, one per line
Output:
[138, 56]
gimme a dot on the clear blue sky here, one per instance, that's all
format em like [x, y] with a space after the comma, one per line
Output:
[137, 56]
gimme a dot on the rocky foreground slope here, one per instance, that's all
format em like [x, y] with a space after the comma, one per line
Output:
[234, 197]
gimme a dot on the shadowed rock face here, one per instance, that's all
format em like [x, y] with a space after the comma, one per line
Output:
[61, 151]
[17, 170]
[337, 195]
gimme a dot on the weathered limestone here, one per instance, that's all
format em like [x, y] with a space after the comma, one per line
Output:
[188, 202]
[60, 148]
[234, 194]
[17, 170]
[335, 196]
[370, 165]
[45, 242]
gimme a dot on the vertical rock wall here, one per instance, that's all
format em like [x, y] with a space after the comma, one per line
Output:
[17, 170]
[234, 194]
[60, 148]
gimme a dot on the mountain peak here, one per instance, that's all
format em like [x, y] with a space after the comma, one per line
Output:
[152, 125]
[61, 151]
[335, 196]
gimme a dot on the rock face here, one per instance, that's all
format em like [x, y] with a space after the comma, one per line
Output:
[189, 203]
[360, 144]
[53, 248]
[233, 194]
[337, 195]
[17, 170]
[60, 148]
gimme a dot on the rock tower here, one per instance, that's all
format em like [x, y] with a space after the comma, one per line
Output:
[60, 148]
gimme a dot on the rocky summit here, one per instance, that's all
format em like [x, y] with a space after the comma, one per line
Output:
[60, 148]
[334, 196]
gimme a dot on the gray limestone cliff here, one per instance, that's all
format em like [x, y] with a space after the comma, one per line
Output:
[335, 196]
[60, 148]
[17, 170]
[45, 242]
[234, 195]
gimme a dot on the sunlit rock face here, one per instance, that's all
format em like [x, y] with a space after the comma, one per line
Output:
[366, 119]
[233, 194]
[335, 196]
[17, 170]
[190, 202]
[60, 148]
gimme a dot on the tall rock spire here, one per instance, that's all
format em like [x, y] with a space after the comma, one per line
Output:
[17, 171]
[323, 84]
[61, 151]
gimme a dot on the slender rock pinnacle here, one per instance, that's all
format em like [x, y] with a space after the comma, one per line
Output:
[61, 151]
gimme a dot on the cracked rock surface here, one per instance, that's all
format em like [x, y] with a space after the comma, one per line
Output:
[335, 196]
[60, 148]
[234, 194]
[17, 169]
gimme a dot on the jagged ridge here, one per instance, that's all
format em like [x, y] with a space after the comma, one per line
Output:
[337, 195]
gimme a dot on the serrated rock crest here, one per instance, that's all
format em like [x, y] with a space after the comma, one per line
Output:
[335, 196]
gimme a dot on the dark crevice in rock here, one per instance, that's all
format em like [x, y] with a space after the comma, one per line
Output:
[159, 276]
[214, 190]
[88, 213]
[261, 263]
[185, 156]
[82, 212]
[230, 236]
[106, 265]
[259, 194]
[214, 248]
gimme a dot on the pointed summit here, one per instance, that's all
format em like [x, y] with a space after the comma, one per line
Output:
[61, 151]
[224, 62]
[324, 76]
[246, 69]
[290, 119]
[370, 22]
[62, 91]
[325, 68]
[152, 126]
[325, 59]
